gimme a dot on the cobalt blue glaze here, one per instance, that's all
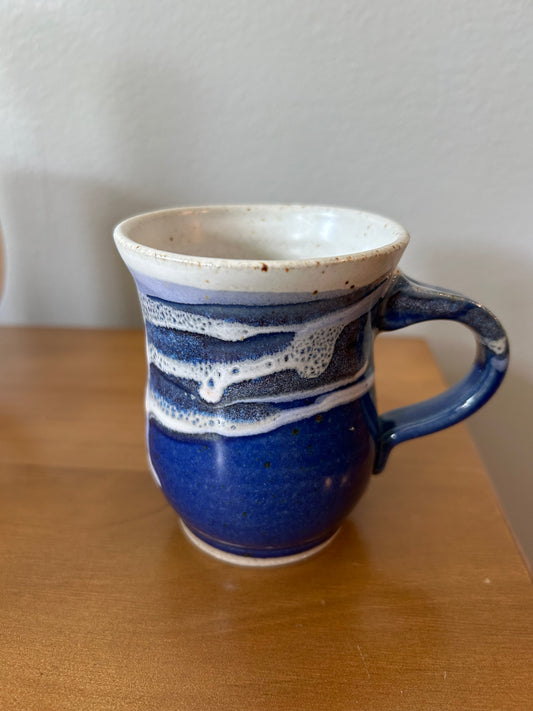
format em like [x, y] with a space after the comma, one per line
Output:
[409, 302]
[275, 493]
[270, 465]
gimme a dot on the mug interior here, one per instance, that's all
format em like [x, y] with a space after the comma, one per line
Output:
[263, 232]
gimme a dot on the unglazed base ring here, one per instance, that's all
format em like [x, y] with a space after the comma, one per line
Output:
[250, 561]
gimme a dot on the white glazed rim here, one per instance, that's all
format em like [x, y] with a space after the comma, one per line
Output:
[291, 279]
[400, 241]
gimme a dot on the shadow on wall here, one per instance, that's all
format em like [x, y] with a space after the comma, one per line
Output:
[502, 434]
[499, 279]
[62, 265]
[134, 122]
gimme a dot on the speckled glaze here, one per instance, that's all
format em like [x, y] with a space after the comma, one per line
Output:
[260, 321]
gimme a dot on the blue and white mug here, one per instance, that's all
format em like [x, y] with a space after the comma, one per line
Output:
[260, 322]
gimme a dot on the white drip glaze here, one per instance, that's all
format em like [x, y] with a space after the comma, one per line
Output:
[497, 346]
[193, 422]
[167, 316]
[308, 353]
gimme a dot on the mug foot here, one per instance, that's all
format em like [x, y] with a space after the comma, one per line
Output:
[250, 561]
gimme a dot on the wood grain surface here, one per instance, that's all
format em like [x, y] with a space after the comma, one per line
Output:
[421, 602]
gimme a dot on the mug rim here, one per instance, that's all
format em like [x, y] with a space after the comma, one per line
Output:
[400, 234]
[226, 279]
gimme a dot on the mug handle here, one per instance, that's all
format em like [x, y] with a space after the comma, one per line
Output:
[407, 302]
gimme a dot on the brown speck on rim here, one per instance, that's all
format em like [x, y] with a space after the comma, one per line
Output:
[171, 239]
[315, 292]
[352, 286]
[346, 282]
[323, 271]
[287, 269]
[264, 267]
[318, 418]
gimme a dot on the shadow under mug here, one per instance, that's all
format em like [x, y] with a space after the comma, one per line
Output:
[260, 322]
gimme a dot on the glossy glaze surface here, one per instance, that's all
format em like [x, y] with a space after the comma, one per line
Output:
[261, 417]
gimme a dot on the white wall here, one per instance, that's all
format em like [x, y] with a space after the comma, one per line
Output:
[420, 109]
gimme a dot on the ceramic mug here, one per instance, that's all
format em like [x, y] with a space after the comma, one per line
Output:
[260, 321]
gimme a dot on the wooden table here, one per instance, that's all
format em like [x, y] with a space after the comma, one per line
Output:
[421, 602]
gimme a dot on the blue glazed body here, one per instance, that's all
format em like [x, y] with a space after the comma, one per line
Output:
[276, 493]
[262, 425]
[268, 465]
